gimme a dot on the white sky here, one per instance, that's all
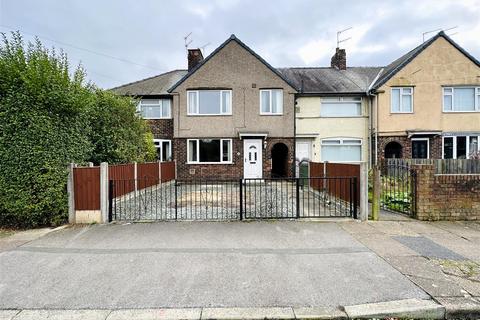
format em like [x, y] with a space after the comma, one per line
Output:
[149, 34]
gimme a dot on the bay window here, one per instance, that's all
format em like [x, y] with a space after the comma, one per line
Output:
[341, 150]
[209, 102]
[209, 150]
[341, 107]
[155, 108]
[461, 99]
[271, 101]
[460, 147]
[402, 100]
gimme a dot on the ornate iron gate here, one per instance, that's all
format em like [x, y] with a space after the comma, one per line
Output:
[398, 185]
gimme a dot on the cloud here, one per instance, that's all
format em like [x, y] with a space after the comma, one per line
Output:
[285, 32]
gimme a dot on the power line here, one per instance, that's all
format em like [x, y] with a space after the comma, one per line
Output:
[80, 48]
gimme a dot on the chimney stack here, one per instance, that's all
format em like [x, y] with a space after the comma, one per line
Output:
[339, 59]
[195, 56]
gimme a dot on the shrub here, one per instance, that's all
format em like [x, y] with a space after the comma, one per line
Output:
[49, 118]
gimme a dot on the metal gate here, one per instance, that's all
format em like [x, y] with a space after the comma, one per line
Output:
[272, 198]
[398, 188]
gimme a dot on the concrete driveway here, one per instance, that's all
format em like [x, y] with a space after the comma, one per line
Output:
[195, 264]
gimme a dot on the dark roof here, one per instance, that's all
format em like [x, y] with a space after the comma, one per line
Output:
[156, 85]
[401, 62]
[331, 80]
[243, 45]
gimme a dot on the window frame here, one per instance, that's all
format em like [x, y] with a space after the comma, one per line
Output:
[160, 146]
[428, 146]
[197, 100]
[270, 113]
[341, 100]
[476, 98]
[454, 144]
[401, 100]
[342, 143]
[230, 153]
[161, 105]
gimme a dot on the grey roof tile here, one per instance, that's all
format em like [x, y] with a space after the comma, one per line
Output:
[156, 85]
[331, 80]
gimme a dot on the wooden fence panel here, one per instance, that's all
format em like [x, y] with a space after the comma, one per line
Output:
[442, 166]
[86, 185]
[147, 174]
[168, 171]
[336, 187]
[123, 176]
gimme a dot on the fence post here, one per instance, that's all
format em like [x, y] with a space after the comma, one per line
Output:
[104, 191]
[90, 164]
[241, 198]
[363, 191]
[175, 163]
[376, 193]
[159, 172]
[71, 194]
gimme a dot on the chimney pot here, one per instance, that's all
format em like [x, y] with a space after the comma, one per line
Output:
[195, 56]
[339, 59]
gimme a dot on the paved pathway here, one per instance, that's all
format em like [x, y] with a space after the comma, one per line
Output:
[442, 258]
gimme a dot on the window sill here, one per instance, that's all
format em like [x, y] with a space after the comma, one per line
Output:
[474, 111]
[201, 163]
[158, 118]
[209, 115]
[341, 116]
[271, 114]
[409, 112]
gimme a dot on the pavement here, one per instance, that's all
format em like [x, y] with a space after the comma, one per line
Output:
[245, 270]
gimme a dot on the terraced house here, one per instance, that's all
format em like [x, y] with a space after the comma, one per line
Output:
[426, 104]
[233, 115]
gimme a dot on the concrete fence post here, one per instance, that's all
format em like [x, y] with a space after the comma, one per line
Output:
[71, 194]
[175, 163]
[104, 192]
[364, 191]
[90, 164]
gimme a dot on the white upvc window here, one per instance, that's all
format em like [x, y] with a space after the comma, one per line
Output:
[209, 151]
[209, 102]
[460, 147]
[341, 107]
[164, 149]
[341, 150]
[461, 99]
[155, 108]
[401, 100]
[271, 101]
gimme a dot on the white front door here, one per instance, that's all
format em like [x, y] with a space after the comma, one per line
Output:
[252, 158]
[303, 150]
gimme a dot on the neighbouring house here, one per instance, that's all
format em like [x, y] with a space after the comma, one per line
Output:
[426, 104]
[332, 110]
[156, 106]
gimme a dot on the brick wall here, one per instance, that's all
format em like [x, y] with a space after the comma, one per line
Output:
[227, 171]
[446, 197]
[161, 128]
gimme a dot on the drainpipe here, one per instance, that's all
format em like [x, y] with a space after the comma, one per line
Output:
[372, 93]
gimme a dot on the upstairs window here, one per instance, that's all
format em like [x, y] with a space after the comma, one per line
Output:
[461, 99]
[271, 101]
[155, 108]
[402, 100]
[209, 102]
[341, 107]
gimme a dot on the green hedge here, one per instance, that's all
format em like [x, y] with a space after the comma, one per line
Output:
[50, 117]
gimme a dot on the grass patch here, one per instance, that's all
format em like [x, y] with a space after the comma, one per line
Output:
[6, 233]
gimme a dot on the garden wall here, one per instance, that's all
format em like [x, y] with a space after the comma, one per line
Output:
[446, 197]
